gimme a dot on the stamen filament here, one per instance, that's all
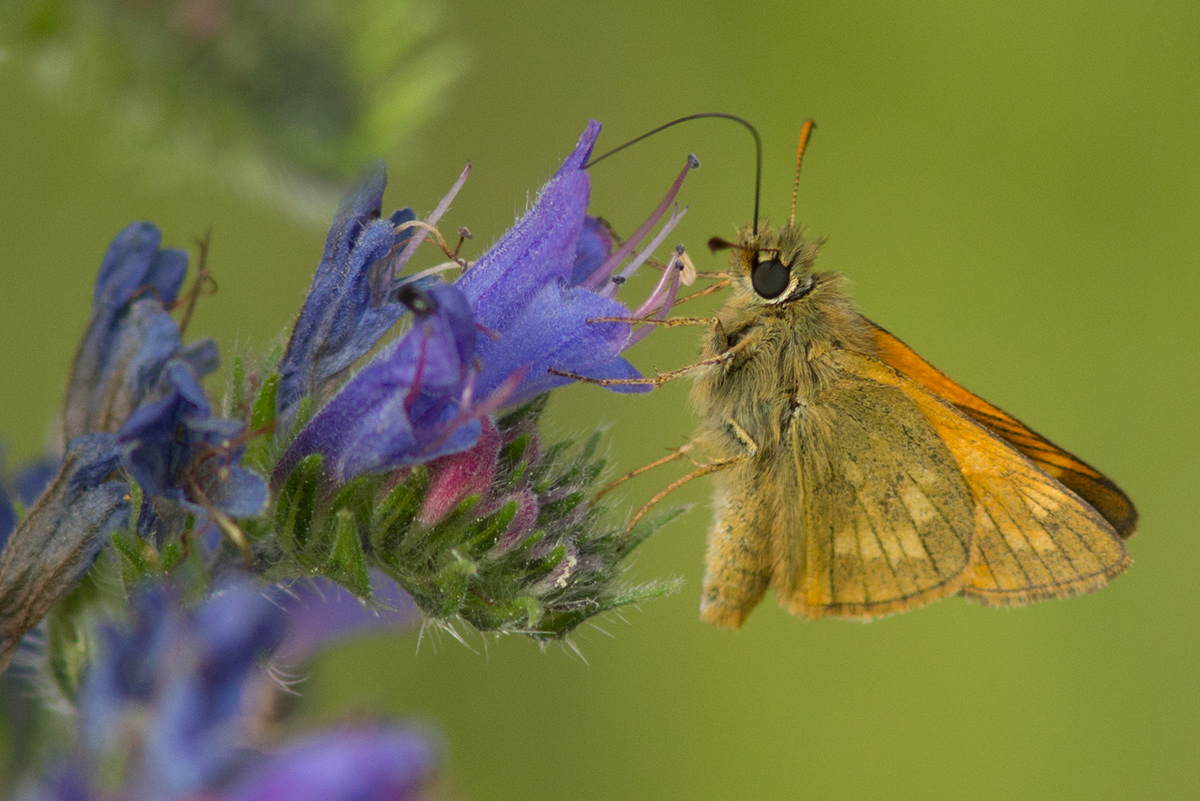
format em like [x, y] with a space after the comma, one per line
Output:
[597, 278]
[396, 264]
[640, 259]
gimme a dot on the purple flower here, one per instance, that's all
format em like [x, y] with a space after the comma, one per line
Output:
[167, 707]
[403, 407]
[129, 336]
[350, 305]
[321, 612]
[537, 287]
[176, 450]
[362, 764]
[533, 295]
[173, 688]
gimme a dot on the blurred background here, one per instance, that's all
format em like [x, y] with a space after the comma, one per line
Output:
[1013, 188]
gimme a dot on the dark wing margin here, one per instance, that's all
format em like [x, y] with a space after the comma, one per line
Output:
[1034, 537]
[1077, 475]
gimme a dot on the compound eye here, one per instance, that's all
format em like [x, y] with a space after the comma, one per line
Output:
[770, 278]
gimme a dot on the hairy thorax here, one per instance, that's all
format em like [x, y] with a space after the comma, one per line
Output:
[782, 359]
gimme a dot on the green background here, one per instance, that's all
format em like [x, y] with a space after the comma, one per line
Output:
[1013, 189]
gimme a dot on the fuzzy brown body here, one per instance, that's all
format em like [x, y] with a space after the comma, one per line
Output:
[859, 483]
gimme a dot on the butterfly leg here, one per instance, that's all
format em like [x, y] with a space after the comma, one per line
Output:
[659, 378]
[669, 322]
[676, 453]
[702, 470]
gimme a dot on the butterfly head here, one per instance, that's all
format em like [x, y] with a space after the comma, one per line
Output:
[773, 267]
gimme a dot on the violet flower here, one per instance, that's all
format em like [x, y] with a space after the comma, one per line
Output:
[350, 305]
[173, 689]
[404, 406]
[538, 286]
[166, 709]
[129, 336]
[377, 763]
[321, 613]
[178, 451]
[532, 294]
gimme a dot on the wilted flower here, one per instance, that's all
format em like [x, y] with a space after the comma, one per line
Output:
[176, 450]
[58, 539]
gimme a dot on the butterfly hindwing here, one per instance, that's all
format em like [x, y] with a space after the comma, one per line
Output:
[884, 521]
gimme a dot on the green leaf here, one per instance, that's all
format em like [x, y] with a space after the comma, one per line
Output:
[262, 416]
[296, 507]
[133, 565]
[347, 563]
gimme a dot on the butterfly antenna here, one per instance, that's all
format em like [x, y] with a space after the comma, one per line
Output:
[717, 115]
[805, 131]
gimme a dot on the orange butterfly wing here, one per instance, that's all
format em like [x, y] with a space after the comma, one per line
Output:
[1033, 537]
[1081, 478]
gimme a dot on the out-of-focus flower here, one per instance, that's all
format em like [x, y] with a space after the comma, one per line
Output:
[129, 336]
[321, 613]
[167, 707]
[350, 305]
[8, 515]
[178, 451]
[357, 764]
[33, 477]
[166, 700]
[58, 539]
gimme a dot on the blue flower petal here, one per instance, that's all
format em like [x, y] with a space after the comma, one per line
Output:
[553, 332]
[349, 306]
[400, 408]
[594, 246]
[541, 247]
[128, 322]
[177, 451]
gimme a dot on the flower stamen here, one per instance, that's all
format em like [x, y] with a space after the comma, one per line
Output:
[394, 264]
[641, 258]
[601, 274]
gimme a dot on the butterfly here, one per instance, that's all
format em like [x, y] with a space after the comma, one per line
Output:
[856, 479]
